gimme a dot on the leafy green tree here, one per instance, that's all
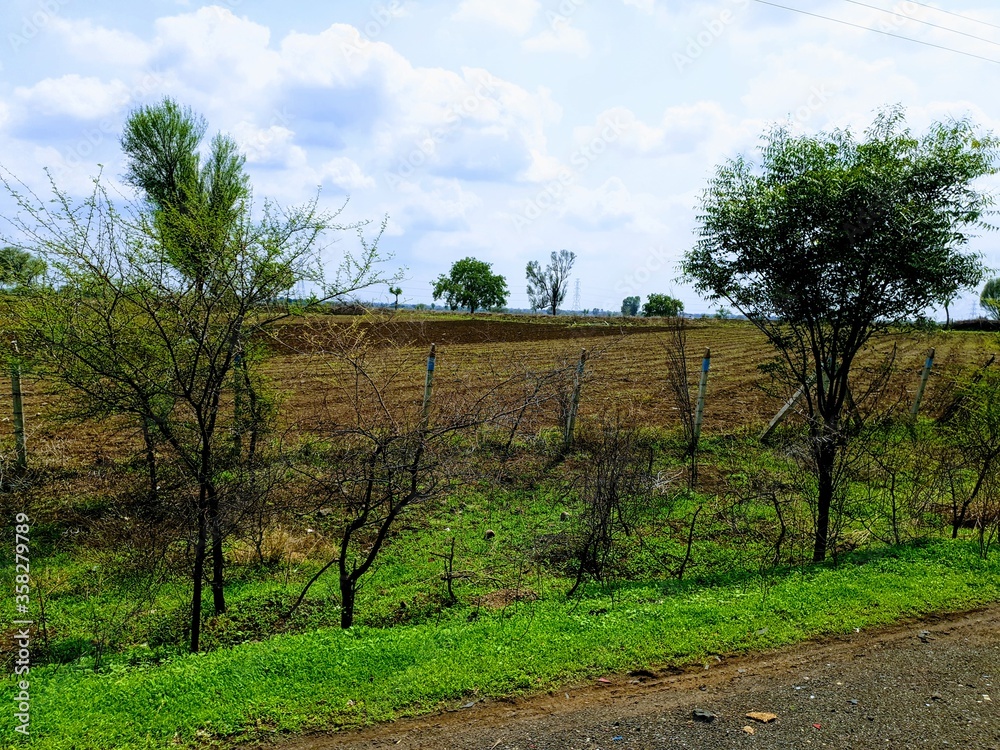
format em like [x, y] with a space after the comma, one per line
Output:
[444, 287]
[989, 299]
[395, 291]
[197, 204]
[547, 287]
[835, 238]
[630, 306]
[19, 269]
[662, 306]
[471, 284]
[130, 335]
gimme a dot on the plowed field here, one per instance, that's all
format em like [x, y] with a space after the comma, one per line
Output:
[626, 366]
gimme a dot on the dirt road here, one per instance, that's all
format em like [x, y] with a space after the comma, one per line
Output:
[923, 684]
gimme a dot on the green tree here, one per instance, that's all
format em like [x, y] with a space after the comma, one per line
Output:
[197, 204]
[836, 238]
[630, 306]
[471, 284]
[662, 306]
[989, 299]
[547, 287]
[130, 335]
[19, 269]
[395, 291]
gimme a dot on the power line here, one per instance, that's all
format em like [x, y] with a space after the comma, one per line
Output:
[925, 23]
[879, 31]
[957, 15]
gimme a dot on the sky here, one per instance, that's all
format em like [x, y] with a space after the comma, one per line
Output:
[503, 130]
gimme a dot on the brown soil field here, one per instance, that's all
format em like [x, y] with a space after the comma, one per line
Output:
[625, 371]
[626, 364]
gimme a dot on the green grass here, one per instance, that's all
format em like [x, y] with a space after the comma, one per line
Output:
[297, 683]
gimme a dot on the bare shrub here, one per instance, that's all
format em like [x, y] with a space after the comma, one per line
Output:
[615, 486]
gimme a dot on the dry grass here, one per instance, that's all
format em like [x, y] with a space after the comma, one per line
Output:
[282, 544]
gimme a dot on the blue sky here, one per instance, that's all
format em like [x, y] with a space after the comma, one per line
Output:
[501, 130]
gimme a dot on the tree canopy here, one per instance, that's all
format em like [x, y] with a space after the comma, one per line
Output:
[989, 299]
[832, 238]
[547, 286]
[19, 269]
[662, 306]
[630, 306]
[472, 284]
[197, 204]
[156, 313]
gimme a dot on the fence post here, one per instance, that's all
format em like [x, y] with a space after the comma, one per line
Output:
[923, 384]
[20, 443]
[425, 413]
[575, 402]
[783, 412]
[700, 408]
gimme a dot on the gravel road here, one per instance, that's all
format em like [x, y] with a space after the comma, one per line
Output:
[922, 684]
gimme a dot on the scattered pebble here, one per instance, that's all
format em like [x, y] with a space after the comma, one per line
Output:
[700, 714]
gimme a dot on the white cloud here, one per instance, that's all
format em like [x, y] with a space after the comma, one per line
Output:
[97, 44]
[646, 6]
[517, 16]
[264, 145]
[687, 129]
[346, 174]
[560, 38]
[610, 205]
[84, 98]
[218, 55]
[337, 56]
[443, 204]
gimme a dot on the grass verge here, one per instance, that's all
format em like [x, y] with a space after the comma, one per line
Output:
[332, 678]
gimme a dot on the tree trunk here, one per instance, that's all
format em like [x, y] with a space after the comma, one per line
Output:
[147, 437]
[218, 561]
[199, 577]
[347, 594]
[826, 455]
